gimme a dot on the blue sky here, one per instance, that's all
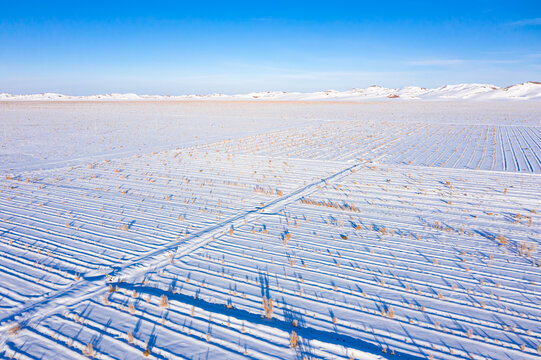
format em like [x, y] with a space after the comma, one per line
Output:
[176, 47]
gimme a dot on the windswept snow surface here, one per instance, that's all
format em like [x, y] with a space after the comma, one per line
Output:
[526, 91]
[230, 230]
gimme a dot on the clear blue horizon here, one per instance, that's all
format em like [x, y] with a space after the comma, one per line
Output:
[83, 48]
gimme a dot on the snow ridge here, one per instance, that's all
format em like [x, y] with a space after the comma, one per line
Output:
[526, 91]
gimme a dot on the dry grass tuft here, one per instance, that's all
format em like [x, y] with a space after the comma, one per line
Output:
[294, 339]
[89, 350]
[268, 305]
[14, 329]
[502, 239]
[287, 237]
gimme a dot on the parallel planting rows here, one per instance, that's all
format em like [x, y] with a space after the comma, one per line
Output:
[348, 239]
[59, 226]
[478, 147]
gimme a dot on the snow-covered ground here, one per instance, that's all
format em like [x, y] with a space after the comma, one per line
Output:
[223, 230]
[526, 91]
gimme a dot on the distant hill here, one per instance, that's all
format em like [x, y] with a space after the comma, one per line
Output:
[526, 91]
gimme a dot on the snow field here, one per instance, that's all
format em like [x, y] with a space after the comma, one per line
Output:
[353, 239]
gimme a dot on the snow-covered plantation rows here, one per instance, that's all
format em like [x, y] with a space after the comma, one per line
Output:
[58, 226]
[38, 135]
[484, 147]
[344, 239]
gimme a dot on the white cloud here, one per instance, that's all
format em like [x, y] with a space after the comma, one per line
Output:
[437, 62]
[527, 22]
[452, 62]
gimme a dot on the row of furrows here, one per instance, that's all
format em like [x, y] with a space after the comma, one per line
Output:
[84, 188]
[113, 205]
[72, 228]
[398, 270]
[465, 143]
[34, 233]
[88, 221]
[137, 321]
[204, 277]
[475, 147]
[105, 217]
[474, 214]
[465, 185]
[478, 148]
[459, 146]
[414, 147]
[429, 245]
[403, 257]
[503, 210]
[459, 218]
[365, 311]
[77, 229]
[304, 313]
[407, 211]
[331, 266]
[237, 269]
[318, 142]
[71, 195]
